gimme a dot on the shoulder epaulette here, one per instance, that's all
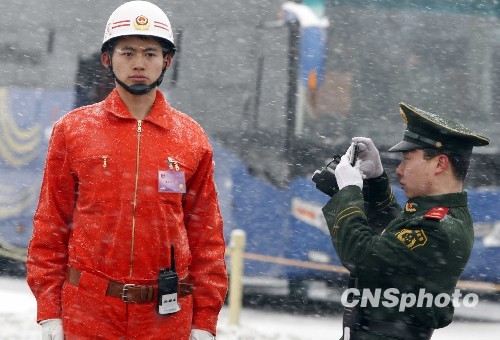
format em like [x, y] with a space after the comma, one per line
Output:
[436, 213]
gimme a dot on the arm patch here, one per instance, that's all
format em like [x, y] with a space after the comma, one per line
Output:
[412, 238]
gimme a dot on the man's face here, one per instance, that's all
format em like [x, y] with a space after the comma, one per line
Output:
[415, 173]
[138, 61]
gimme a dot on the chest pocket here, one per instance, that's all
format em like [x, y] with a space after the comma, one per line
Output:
[98, 177]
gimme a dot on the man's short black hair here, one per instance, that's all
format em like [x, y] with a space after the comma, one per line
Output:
[459, 163]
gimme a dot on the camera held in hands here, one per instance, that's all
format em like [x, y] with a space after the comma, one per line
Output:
[325, 177]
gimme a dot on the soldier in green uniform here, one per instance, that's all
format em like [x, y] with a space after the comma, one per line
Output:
[415, 254]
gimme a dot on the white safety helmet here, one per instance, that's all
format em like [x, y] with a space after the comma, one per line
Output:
[139, 18]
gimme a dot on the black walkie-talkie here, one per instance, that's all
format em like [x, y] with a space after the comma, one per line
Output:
[168, 283]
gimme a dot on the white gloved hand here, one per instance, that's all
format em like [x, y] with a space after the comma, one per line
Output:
[347, 174]
[52, 329]
[370, 163]
[198, 334]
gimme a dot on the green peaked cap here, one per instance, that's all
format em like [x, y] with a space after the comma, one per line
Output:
[427, 130]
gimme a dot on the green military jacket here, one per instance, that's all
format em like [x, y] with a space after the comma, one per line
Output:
[425, 246]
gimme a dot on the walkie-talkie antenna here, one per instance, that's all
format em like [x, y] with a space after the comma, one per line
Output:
[172, 258]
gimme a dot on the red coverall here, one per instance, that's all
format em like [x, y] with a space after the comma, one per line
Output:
[101, 212]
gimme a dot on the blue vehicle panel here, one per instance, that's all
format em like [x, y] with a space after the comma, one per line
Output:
[256, 207]
[26, 119]
[310, 239]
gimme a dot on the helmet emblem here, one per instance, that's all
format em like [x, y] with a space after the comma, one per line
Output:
[141, 23]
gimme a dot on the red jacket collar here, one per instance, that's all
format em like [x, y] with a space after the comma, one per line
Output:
[160, 114]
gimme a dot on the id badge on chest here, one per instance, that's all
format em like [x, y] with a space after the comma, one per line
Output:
[172, 180]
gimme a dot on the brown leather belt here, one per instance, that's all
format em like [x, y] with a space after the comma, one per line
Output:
[131, 292]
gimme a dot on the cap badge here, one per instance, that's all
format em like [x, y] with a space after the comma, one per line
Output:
[439, 144]
[141, 23]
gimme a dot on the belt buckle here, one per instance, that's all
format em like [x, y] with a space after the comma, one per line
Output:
[125, 290]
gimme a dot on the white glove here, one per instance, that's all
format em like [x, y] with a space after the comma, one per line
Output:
[370, 163]
[52, 329]
[198, 334]
[347, 174]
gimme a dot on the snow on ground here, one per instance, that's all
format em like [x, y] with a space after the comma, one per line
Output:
[18, 310]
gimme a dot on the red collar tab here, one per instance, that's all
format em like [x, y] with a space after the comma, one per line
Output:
[437, 213]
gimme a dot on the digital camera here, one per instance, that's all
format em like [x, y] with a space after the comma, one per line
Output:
[325, 177]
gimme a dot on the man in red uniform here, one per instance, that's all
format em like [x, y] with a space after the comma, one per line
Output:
[127, 239]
